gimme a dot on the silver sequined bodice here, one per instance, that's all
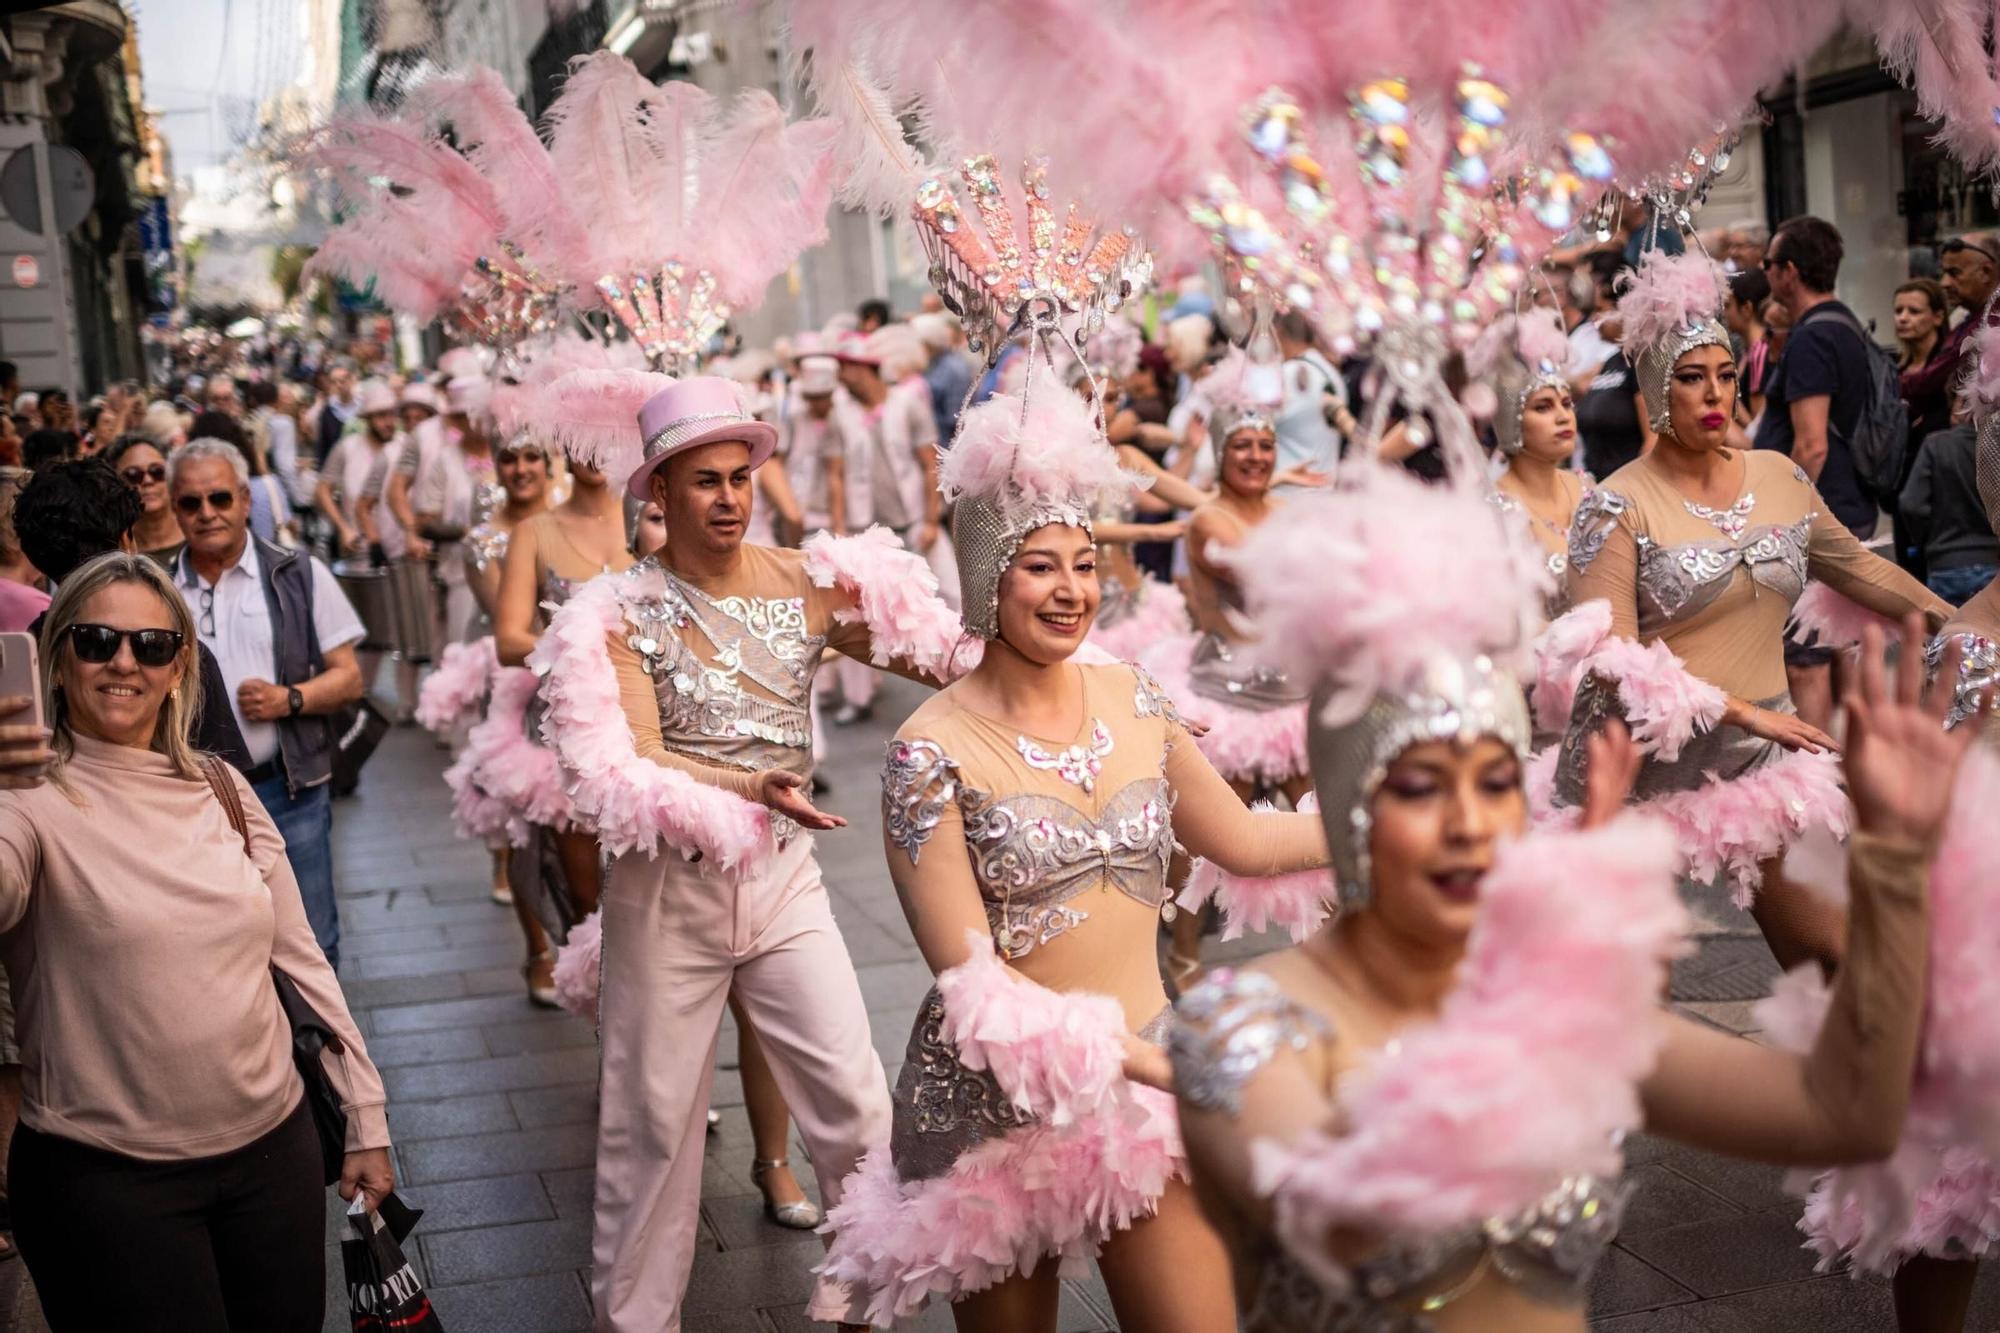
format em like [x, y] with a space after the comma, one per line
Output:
[485, 545]
[1679, 581]
[1032, 854]
[1978, 672]
[744, 705]
[1223, 671]
[1232, 1025]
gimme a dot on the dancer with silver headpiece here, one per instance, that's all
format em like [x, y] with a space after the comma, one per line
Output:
[1030, 810]
[1698, 551]
[1534, 427]
[1410, 1121]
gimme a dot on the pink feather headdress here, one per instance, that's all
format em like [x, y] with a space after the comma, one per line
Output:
[1670, 307]
[1240, 392]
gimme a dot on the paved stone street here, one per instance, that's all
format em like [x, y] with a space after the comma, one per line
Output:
[492, 1104]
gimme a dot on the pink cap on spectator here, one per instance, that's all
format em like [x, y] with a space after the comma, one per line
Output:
[470, 394]
[419, 394]
[818, 375]
[377, 397]
[691, 413]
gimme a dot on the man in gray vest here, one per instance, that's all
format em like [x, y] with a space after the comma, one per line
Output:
[284, 636]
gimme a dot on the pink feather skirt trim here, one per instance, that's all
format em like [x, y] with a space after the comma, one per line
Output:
[503, 782]
[1262, 746]
[457, 686]
[1161, 613]
[1726, 828]
[1034, 1193]
[631, 803]
[578, 966]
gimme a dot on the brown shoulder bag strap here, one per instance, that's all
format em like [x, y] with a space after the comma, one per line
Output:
[219, 782]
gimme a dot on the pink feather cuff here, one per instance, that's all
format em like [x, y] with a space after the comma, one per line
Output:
[1298, 901]
[1664, 703]
[896, 597]
[456, 687]
[578, 966]
[1039, 1192]
[1054, 1055]
[631, 802]
[1527, 1076]
[1838, 620]
[1562, 651]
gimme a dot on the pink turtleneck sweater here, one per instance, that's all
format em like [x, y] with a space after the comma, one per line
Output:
[138, 940]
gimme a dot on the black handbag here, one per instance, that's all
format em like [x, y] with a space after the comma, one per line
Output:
[357, 730]
[310, 1033]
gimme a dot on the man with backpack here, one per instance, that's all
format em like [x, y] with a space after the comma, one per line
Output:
[1832, 402]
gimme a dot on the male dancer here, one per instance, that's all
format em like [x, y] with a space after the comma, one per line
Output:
[715, 666]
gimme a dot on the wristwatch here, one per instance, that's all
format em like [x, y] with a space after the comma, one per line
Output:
[294, 700]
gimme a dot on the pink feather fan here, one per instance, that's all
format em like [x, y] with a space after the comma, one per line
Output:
[1041, 445]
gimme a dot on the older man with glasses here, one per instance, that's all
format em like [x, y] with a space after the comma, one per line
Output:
[284, 635]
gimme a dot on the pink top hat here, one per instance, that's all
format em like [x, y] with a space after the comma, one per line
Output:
[376, 397]
[691, 413]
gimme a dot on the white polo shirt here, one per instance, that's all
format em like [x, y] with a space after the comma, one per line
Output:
[233, 619]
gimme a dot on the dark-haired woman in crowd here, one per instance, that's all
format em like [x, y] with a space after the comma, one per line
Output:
[1743, 314]
[142, 465]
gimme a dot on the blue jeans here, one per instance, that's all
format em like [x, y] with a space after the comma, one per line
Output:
[1958, 585]
[306, 821]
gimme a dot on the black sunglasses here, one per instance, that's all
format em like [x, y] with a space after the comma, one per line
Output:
[220, 501]
[151, 472]
[98, 644]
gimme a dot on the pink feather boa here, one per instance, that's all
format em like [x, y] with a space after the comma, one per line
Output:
[578, 966]
[896, 597]
[633, 804]
[1036, 1192]
[1161, 614]
[503, 772]
[1939, 1192]
[1056, 1055]
[1245, 745]
[457, 686]
[1839, 621]
[1299, 901]
[1664, 703]
[1528, 1075]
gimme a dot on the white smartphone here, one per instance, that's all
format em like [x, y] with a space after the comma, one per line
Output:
[20, 673]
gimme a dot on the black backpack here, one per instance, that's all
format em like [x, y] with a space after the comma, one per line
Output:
[1880, 443]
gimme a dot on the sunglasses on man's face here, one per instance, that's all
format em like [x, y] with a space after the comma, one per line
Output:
[220, 501]
[136, 476]
[98, 644]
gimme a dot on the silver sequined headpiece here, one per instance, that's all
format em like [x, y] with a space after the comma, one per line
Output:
[1514, 383]
[1654, 362]
[985, 536]
[1458, 699]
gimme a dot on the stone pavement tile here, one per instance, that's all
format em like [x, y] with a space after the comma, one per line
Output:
[387, 940]
[1671, 1319]
[469, 1011]
[492, 1201]
[413, 1048]
[565, 1104]
[734, 1321]
[450, 1117]
[1075, 1313]
[521, 1037]
[570, 1190]
[516, 1250]
[1661, 1197]
[537, 1069]
[502, 980]
[435, 962]
[1821, 1305]
[1623, 1283]
[544, 1303]
[500, 1154]
[366, 993]
[1729, 1254]
[1751, 1185]
[503, 928]
[761, 1276]
[738, 1220]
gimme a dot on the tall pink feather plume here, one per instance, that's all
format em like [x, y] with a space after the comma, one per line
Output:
[1938, 47]
[1667, 293]
[1552, 1022]
[594, 416]
[363, 251]
[631, 802]
[1041, 444]
[1402, 573]
[1059, 1055]
[895, 595]
[457, 686]
[1299, 902]
[624, 152]
[764, 191]
[496, 137]
[521, 405]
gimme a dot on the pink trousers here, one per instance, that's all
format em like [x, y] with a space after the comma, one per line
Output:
[676, 939]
